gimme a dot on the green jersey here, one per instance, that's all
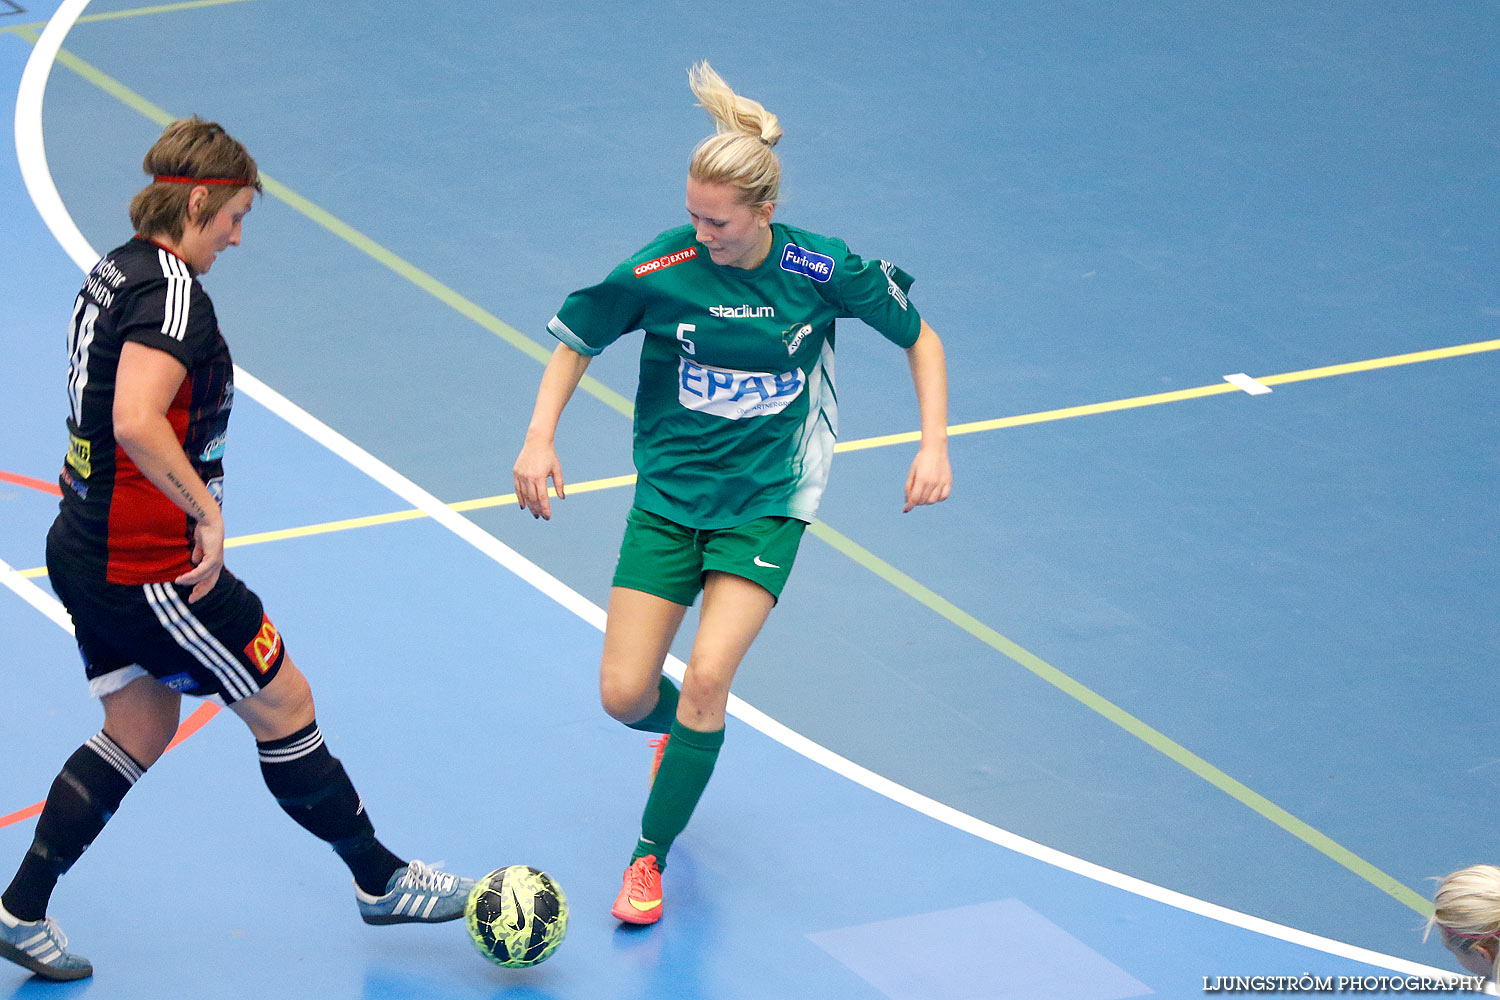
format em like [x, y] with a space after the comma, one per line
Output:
[736, 413]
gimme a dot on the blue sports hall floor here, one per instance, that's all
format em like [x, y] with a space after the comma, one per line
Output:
[1188, 680]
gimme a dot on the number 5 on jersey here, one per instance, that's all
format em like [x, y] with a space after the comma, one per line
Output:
[683, 329]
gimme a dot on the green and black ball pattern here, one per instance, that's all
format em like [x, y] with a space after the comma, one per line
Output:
[517, 916]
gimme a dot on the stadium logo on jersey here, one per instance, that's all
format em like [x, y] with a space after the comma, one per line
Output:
[793, 337]
[742, 312]
[734, 395]
[641, 270]
[799, 261]
[265, 647]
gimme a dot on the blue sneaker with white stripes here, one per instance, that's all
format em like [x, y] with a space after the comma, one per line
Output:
[416, 894]
[42, 947]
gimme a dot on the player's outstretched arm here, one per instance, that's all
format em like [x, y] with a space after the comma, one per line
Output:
[538, 461]
[930, 479]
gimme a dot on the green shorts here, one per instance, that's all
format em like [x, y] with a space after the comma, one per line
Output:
[662, 557]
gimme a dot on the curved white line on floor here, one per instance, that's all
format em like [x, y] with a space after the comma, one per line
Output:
[39, 184]
[30, 149]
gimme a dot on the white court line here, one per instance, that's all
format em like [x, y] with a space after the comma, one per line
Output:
[36, 597]
[1242, 381]
[39, 184]
[30, 149]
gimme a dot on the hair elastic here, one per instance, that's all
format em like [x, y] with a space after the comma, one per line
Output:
[236, 181]
[1469, 937]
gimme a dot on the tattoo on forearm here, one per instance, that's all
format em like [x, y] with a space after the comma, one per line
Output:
[182, 491]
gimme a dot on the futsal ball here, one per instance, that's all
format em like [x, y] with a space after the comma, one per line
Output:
[517, 916]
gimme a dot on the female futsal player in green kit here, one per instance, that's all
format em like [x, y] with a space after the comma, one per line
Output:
[735, 423]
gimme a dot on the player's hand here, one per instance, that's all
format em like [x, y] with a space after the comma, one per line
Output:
[208, 559]
[536, 464]
[930, 479]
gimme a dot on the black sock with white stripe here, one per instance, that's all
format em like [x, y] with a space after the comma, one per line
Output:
[310, 784]
[84, 795]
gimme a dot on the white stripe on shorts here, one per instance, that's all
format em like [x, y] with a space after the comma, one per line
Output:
[189, 633]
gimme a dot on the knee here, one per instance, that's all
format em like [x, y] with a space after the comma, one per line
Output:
[146, 742]
[703, 702]
[152, 735]
[281, 708]
[288, 697]
[294, 695]
[704, 689]
[142, 719]
[625, 701]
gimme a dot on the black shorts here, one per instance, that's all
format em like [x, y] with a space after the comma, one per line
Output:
[221, 647]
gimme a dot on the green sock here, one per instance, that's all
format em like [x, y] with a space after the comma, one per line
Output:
[665, 713]
[685, 769]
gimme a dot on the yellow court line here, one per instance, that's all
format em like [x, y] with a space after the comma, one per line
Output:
[1328, 371]
[394, 517]
[327, 527]
[161, 8]
[1415, 357]
[374, 520]
[588, 486]
[1112, 406]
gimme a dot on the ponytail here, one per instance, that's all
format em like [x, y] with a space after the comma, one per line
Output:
[739, 153]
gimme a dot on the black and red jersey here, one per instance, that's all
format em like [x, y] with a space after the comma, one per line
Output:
[112, 518]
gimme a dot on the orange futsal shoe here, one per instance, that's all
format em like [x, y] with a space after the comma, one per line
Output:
[660, 746]
[639, 901]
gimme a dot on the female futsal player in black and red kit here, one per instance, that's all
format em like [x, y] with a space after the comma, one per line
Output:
[137, 556]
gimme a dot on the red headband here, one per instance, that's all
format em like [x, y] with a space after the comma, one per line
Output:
[236, 181]
[1460, 934]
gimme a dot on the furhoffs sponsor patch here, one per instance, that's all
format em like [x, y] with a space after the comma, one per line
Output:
[816, 266]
